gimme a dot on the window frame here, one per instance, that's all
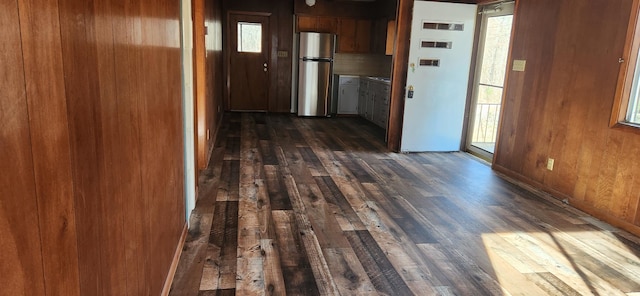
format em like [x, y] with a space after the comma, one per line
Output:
[629, 62]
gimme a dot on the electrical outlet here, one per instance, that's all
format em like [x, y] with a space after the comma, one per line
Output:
[550, 163]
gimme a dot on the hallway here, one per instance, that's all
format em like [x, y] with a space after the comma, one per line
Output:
[301, 206]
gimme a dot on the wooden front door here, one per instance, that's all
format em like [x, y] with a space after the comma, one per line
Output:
[249, 73]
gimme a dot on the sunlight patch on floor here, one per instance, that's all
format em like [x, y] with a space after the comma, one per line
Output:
[537, 263]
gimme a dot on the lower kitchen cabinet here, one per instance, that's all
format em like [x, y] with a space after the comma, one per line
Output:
[363, 96]
[373, 100]
[348, 94]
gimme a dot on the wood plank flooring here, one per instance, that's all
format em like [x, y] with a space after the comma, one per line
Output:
[304, 206]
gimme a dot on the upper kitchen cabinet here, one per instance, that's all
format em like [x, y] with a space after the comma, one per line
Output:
[391, 36]
[379, 36]
[318, 24]
[354, 35]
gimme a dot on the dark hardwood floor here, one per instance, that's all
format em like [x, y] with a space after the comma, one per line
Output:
[303, 206]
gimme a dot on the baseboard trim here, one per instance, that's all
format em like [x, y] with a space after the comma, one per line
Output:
[542, 190]
[174, 264]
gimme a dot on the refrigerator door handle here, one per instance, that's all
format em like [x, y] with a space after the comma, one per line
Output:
[307, 59]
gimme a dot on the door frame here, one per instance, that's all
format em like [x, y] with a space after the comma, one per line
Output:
[400, 67]
[272, 54]
[481, 28]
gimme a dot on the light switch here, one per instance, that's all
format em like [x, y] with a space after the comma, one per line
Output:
[519, 65]
[283, 54]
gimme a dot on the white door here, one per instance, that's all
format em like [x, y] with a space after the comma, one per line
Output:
[437, 80]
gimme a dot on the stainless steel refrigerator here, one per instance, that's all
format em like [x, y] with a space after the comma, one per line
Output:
[315, 69]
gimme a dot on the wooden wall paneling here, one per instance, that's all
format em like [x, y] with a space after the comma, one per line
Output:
[101, 147]
[566, 138]
[573, 136]
[129, 91]
[45, 93]
[560, 108]
[200, 80]
[115, 268]
[399, 73]
[541, 110]
[607, 151]
[119, 262]
[219, 21]
[101, 264]
[285, 65]
[521, 84]
[213, 19]
[161, 145]
[534, 107]
[274, 32]
[627, 182]
[20, 248]
[350, 9]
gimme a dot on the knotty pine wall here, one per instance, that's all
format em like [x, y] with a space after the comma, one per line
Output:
[560, 107]
[92, 197]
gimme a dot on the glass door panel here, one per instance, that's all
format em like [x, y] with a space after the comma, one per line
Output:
[490, 77]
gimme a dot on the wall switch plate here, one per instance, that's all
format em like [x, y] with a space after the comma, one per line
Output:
[550, 163]
[519, 65]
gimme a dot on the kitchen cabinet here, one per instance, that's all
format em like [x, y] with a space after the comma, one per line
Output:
[379, 36]
[348, 94]
[320, 24]
[363, 95]
[354, 35]
[373, 102]
[391, 36]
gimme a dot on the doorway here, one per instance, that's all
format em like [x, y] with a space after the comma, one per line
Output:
[489, 79]
[249, 71]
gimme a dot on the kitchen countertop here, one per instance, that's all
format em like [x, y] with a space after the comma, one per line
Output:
[381, 79]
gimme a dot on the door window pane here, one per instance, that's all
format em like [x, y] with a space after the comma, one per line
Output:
[249, 37]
